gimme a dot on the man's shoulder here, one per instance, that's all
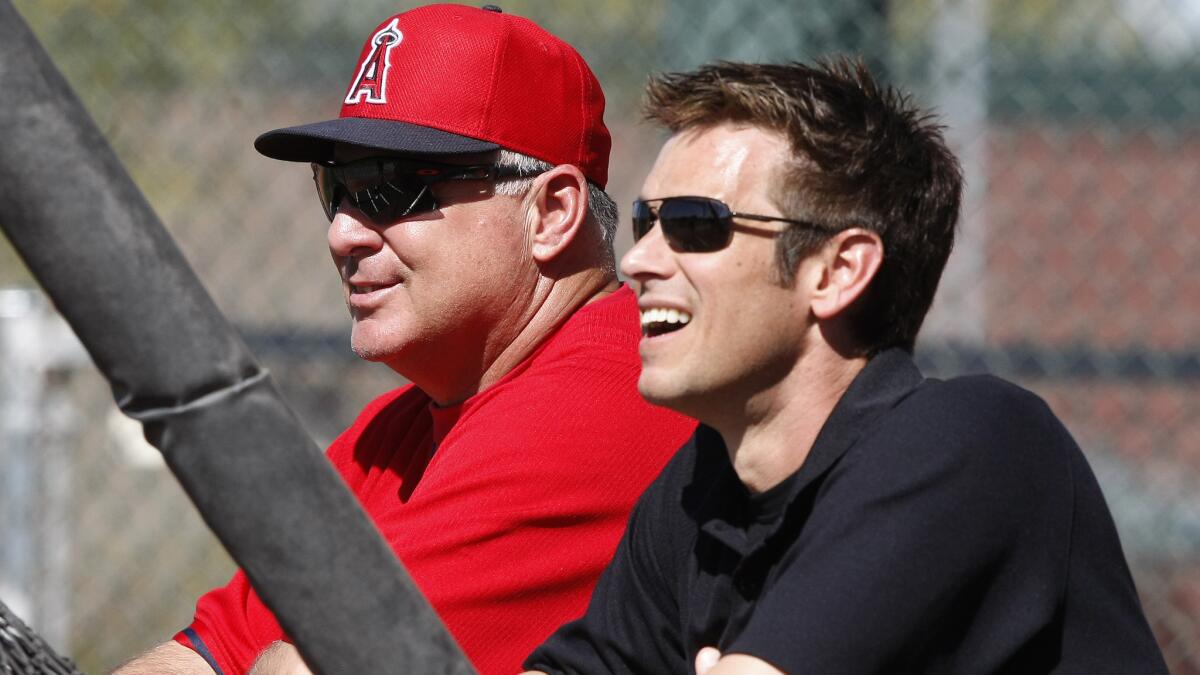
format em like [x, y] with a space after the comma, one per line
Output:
[398, 405]
[976, 392]
[607, 329]
[583, 409]
[977, 425]
[583, 382]
[402, 400]
[973, 404]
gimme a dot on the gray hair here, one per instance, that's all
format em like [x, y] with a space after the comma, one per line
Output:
[601, 206]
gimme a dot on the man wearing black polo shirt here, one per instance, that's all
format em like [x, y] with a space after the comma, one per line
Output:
[836, 512]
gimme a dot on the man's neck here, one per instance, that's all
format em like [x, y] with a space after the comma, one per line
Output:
[552, 303]
[561, 300]
[770, 434]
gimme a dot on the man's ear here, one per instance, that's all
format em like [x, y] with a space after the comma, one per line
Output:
[846, 265]
[560, 209]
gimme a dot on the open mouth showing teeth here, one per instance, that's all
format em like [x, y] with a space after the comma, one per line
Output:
[659, 321]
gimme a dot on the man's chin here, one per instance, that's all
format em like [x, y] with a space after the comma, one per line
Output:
[371, 350]
[368, 355]
[657, 392]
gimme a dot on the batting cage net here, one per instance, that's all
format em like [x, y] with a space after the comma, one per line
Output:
[1077, 122]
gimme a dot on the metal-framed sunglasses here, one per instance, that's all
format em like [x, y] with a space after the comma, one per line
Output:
[697, 224]
[386, 189]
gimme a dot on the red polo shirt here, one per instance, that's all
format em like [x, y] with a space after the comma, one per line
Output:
[504, 508]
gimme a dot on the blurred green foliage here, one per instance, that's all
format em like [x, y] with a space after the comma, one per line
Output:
[219, 52]
[241, 42]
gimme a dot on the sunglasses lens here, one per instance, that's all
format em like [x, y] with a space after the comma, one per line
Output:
[643, 219]
[326, 190]
[695, 225]
[377, 189]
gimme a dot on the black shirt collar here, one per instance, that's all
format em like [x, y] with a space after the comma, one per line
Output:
[880, 386]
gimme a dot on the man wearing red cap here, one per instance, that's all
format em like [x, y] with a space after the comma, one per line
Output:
[463, 182]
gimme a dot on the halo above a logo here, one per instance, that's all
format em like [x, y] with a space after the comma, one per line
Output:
[370, 85]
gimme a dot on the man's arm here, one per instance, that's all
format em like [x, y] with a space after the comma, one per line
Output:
[280, 658]
[169, 658]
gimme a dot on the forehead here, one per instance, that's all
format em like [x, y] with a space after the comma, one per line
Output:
[734, 163]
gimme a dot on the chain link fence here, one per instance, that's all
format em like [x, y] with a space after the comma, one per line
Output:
[1078, 123]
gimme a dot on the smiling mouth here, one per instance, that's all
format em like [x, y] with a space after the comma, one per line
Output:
[367, 288]
[661, 320]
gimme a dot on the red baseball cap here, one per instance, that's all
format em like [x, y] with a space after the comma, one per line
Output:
[452, 80]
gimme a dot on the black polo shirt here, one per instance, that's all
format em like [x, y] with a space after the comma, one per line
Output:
[936, 527]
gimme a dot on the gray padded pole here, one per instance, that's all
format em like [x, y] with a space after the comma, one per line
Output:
[174, 363]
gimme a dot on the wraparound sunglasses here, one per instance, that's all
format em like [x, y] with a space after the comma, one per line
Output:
[386, 189]
[696, 224]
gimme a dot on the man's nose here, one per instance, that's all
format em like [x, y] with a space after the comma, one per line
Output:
[650, 257]
[352, 234]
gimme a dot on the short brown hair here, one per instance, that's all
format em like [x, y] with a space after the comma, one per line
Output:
[863, 156]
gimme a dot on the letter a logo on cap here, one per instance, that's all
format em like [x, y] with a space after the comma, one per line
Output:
[372, 75]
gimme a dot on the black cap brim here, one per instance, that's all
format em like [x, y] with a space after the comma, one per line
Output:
[314, 142]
